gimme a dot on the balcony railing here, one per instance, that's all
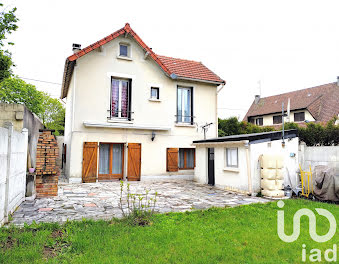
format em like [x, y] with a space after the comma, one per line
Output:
[119, 115]
[185, 119]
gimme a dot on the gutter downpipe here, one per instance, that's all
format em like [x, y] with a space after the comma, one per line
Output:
[248, 163]
[221, 86]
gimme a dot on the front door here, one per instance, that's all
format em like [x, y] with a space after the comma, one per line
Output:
[111, 160]
[210, 161]
[134, 162]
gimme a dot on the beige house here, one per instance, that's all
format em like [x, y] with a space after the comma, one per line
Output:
[131, 113]
[317, 104]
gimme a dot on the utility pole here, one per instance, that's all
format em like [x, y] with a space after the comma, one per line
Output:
[283, 123]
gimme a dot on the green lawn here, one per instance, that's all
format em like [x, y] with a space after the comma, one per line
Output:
[245, 234]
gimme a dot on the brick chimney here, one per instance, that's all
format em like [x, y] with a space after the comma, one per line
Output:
[76, 47]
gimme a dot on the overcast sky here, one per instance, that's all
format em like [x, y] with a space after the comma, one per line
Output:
[288, 45]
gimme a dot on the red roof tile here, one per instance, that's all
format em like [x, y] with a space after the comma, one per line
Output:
[321, 101]
[172, 67]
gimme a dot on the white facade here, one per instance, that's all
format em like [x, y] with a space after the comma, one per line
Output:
[88, 106]
[246, 176]
[268, 119]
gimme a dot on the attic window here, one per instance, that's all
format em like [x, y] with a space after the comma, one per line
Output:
[124, 50]
[299, 117]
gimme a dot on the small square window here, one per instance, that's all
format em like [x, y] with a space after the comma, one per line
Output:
[123, 50]
[232, 157]
[277, 119]
[154, 92]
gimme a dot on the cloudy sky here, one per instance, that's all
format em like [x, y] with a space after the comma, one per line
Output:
[287, 45]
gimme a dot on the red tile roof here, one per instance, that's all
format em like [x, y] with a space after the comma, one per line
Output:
[321, 101]
[189, 69]
[174, 68]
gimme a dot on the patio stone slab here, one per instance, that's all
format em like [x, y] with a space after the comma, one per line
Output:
[101, 200]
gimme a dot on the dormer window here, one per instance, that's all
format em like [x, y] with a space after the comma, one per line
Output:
[124, 50]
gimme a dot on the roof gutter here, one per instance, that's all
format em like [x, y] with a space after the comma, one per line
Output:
[175, 77]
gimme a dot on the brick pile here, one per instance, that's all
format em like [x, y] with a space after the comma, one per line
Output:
[47, 170]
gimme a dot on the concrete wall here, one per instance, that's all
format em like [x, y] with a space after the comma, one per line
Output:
[60, 141]
[237, 178]
[13, 158]
[13, 113]
[88, 100]
[21, 117]
[33, 124]
[324, 155]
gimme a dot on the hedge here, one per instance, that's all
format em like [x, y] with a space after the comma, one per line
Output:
[313, 134]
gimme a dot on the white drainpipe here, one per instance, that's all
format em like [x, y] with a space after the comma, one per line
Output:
[248, 163]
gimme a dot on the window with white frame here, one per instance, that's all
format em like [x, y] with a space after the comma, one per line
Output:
[185, 105]
[155, 93]
[120, 98]
[124, 50]
[232, 157]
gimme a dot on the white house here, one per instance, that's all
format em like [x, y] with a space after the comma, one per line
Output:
[131, 113]
[233, 162]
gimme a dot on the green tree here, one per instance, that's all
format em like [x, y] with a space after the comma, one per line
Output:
[8, 24]
[15, 90]
[53, 114]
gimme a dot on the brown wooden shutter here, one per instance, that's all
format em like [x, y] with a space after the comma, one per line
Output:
[172, 159]
[134, 162]
[89, 162]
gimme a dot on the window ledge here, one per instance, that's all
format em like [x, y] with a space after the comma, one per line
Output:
[118, 120]
[124, 58]
[232, 169]
[184, 125]
[154, 100]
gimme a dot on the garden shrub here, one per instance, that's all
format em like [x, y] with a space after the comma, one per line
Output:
[137, 209]
[314, 134]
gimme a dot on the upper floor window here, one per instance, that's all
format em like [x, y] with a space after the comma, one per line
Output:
[299, 116]
[259, 121]
[185, 105]
[155, 93]
[121, 98]
[124, 50]
[277, 119]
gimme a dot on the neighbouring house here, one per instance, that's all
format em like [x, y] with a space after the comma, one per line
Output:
[21, 117]
[233, 162]
[132, 113]
[317, 104]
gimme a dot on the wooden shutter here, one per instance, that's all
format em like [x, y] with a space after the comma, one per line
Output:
[134, 162]
[172, 159]
[89, 162]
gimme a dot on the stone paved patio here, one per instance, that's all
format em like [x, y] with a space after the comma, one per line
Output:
[100, 200]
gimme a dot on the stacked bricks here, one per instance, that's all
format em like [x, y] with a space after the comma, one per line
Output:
[47, 170]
